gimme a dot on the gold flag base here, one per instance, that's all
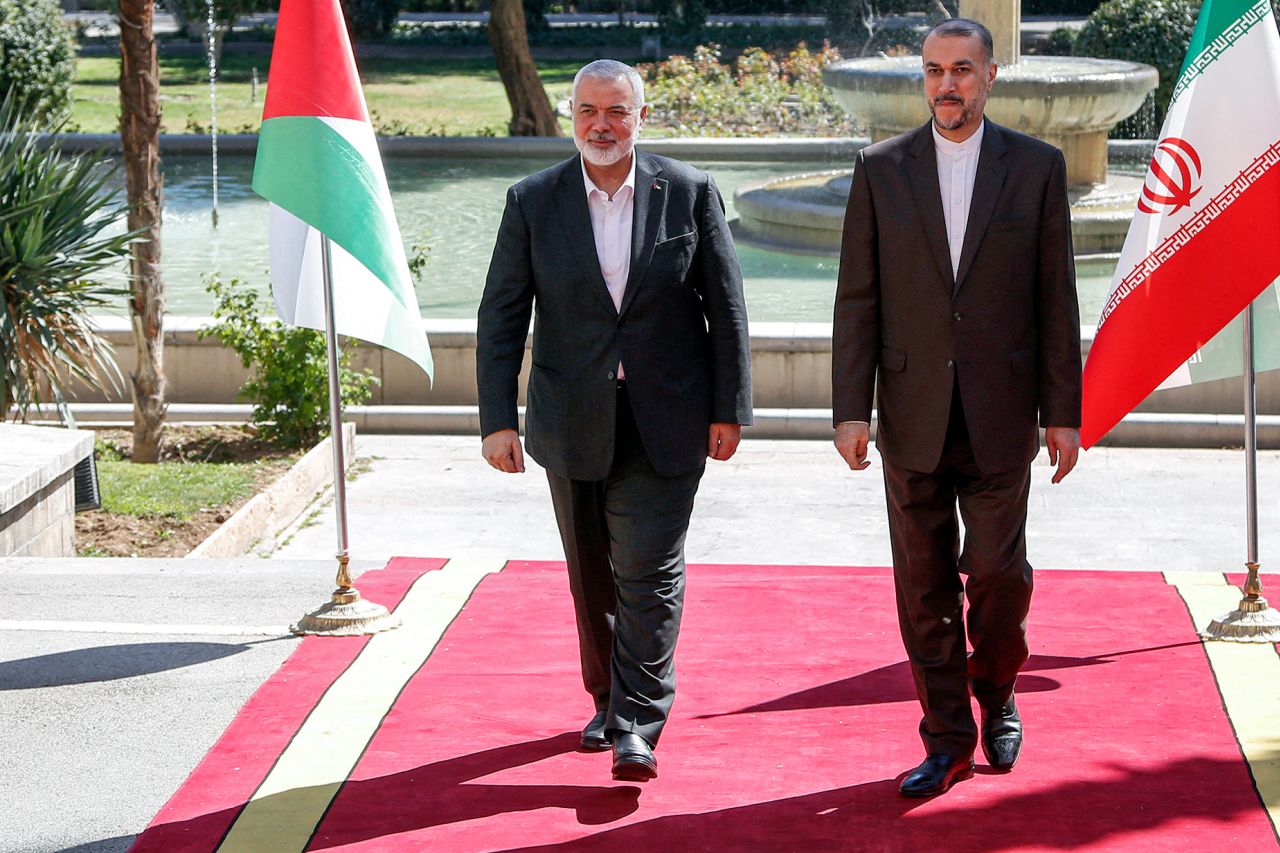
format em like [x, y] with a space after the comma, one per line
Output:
[1252, 622]
[346, 614]
[346, 618]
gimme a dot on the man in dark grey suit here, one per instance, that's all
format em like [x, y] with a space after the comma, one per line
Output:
[641, 371]
[956, 303]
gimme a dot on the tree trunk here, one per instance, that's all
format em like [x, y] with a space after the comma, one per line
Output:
[140, 139]
[531, 112]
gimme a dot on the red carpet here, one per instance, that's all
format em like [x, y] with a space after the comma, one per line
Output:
[795, 715]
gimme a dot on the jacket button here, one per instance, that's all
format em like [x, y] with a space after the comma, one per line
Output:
[951, 365]
[611, 376]
[957, 316]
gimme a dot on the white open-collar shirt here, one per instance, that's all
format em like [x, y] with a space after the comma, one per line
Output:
[611, 227]
[957, 169]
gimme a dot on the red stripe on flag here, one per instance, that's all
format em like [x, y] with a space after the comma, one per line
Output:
[313, 71]
[1181, 306]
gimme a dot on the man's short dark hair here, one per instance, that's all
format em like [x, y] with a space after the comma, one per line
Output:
[965, 27]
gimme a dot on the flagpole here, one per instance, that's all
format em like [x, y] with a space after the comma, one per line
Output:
[1253, 621]
[347, 613]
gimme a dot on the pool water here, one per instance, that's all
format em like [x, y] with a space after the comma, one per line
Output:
[453, 207]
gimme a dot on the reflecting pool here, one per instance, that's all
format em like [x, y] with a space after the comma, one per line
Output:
[453, 207]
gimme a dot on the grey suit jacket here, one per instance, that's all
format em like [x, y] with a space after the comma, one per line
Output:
[681, 332]
[1005, 329]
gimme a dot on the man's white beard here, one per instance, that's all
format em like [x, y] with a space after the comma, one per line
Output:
[604, 157]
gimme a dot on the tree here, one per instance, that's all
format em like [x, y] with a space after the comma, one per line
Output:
[681, 17]
[368, 19]
[192, 17]
[140, 139]
[531, 111]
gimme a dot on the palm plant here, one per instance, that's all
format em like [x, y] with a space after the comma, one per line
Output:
[57, 241]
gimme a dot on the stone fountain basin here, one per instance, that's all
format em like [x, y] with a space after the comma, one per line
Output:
[1040, 95]
[804, 214]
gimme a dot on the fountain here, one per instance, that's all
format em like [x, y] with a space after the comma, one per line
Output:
[212, 57]
[1069, 101]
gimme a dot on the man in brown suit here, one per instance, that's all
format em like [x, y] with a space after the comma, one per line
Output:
[957, 296]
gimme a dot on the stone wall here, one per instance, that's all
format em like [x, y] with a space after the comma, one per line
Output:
[37, 489]
[791, 367]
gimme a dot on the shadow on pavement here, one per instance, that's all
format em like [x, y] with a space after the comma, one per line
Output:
[110, 663]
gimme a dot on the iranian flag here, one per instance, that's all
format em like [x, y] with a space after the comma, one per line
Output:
[1205, 240]
[318, 165]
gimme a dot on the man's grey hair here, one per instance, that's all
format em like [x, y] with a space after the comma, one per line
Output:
[611, 69]
[965, 27]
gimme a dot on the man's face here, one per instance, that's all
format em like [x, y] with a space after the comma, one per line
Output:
[605, 120]
[957, 79]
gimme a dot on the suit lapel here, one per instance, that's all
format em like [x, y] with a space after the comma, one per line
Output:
[571, 200]
[922, 171]
[650, 203]
[986, 191]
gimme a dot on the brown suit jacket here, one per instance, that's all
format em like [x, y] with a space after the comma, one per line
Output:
[1005, 330]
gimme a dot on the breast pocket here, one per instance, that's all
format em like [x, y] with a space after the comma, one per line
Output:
[1008, 223]
[672, 258]
[677, 242]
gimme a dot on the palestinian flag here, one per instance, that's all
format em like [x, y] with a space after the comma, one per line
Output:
[318, 165]
[1205, 240]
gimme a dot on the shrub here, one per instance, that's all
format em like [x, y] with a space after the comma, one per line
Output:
[58, 233]
[1059, 7]
[759, 95]
[37, 56]
[1061, 42]
[370, 18]
[288, 383]
[1156, 32]
[680, 17]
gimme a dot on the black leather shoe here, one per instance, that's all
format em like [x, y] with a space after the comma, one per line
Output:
[594, 737]
[1002, 736]
[633, 758]
[937, 774]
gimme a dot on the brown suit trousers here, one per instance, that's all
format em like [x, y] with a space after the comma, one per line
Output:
[927, 569]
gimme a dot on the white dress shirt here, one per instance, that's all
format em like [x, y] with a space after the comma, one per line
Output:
[611, 227]
[957, 168]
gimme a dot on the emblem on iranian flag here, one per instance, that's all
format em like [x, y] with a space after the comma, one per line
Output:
[1203, 243]
[1172, 178]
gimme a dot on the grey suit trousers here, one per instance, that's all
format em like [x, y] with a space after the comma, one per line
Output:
[623, 542]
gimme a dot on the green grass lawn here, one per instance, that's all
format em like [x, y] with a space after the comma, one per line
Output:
[406, 96]
[175, 490]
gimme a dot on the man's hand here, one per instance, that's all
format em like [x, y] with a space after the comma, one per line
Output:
[502, 450]
[1064, 448]
[722, 440]
[852, 438]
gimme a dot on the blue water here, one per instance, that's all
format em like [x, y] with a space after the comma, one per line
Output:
[454, 206]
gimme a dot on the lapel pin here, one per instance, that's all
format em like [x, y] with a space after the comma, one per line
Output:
[657, 186]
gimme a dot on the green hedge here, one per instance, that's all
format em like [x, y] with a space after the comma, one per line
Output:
[1059, 7]
[37, 56]
[1156, 32]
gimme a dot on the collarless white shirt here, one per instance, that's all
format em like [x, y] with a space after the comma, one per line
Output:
[611, 227]
[957, 169]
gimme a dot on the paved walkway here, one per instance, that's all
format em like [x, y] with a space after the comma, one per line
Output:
[116, 676]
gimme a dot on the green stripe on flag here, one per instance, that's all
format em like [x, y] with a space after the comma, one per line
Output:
[309, 169]
[1221, 24]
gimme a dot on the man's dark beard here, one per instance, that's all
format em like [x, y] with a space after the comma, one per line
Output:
[966, 113]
